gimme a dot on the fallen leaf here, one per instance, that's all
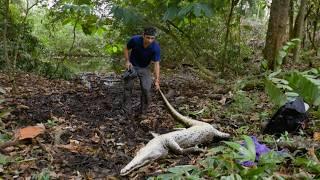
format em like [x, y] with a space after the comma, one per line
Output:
[223, 100]
[75, 142]
[70, 147]
[30, 132]
[316, 136]
[95, 138]
[21, 106]
[2, 90]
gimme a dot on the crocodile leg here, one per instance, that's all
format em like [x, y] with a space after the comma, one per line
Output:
[175, 148]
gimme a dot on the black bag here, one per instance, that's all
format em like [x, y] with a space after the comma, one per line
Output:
[290, 117]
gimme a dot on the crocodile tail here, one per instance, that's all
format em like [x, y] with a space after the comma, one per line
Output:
[185, 120]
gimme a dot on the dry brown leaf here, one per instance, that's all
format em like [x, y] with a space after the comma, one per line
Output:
[70, 147]
[30, 132]
[95, 138]
[316, 136]
[21, 106]
[223, 100]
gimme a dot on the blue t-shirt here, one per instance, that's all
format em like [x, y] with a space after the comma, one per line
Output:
[141, 56]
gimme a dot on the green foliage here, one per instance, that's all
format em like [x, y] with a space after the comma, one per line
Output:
[180, 172]
[283, 52]
[43, 175]
[308, 164]
[222, 162]
[275, 87]
[247, 153]
[4, 159]
[242, 103]
[303, 84]
[307, 85]
[4, 138]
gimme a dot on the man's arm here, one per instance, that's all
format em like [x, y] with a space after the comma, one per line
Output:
[126, 56]
[157, 75]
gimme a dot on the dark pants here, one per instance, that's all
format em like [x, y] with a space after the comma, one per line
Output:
[145, 84]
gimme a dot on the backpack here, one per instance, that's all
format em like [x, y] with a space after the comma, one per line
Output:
[289, 117]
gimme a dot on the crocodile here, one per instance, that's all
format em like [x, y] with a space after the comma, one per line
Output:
[179, 142]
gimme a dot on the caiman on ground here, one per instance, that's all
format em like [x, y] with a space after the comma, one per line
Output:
[179, 142]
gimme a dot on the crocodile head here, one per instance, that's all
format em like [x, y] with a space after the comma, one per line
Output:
[144, 156]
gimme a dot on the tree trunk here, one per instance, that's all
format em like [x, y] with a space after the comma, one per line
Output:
[276, 34]
[291, 19]
[226, 39]
[298, 29]
[5, 30]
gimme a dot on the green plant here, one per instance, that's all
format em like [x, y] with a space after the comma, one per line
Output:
[304, 84]
[43, 175]
[283, 52]
[308, 164]
[242, 153]
[285, 138]
[51, 122]
[242, 103]
[223, 162]
[180, 172]
[4, 159]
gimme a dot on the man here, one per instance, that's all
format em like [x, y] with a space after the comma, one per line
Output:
[143, 49]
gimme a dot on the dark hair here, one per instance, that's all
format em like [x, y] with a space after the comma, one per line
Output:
[151, 31]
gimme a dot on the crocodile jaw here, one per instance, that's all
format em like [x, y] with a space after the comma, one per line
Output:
[152, 151]
[134, 164]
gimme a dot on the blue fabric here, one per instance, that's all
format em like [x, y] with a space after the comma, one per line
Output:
[141, 56]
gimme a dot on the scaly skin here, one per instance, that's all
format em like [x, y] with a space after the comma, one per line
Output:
[180, 142]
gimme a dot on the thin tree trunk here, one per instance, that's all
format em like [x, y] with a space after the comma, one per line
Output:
[5, 30]
[276, 34]
[291, 19]
[298, 29]
[226, 38]
[19, 42]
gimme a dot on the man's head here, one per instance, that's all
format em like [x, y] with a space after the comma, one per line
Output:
[149, 35]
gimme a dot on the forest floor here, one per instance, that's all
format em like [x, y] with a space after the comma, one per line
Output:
[86, 135]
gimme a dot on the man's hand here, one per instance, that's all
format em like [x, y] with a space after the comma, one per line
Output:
[157, 85]
[128, 65]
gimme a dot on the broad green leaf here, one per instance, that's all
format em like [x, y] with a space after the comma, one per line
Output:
[244, 154]
[292, 94]
[207, 10]
[250, 146]
[284, 87]
[308, 164]
[275, 94]
[274, 74]
[185, 11]
[277, 80]
[305, 86]
[181, 169]
[171, 13]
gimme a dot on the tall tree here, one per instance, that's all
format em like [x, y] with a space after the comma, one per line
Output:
[276, 34]
[291, 19]
[5, 29]
[298, 29]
